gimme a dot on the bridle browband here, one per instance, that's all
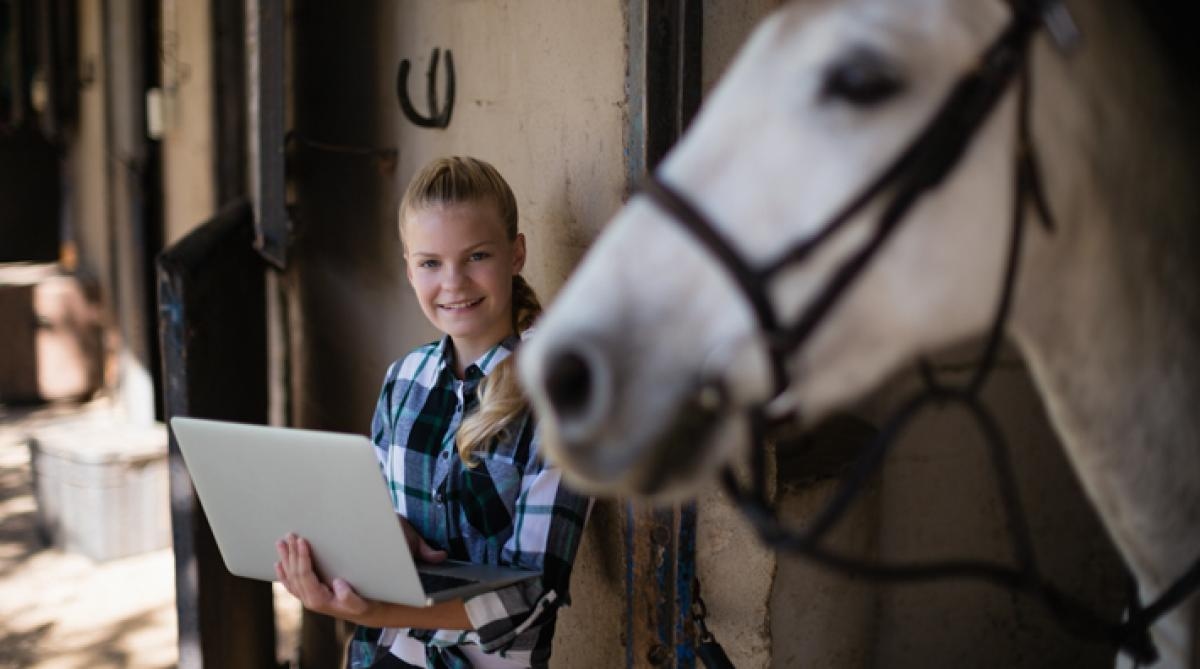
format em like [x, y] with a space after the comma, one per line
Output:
[919, 168]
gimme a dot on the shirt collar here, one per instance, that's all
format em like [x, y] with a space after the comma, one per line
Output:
[484, 364]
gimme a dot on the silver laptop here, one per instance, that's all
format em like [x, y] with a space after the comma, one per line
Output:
[258, 483]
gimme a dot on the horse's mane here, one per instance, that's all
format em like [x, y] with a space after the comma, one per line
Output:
[1172, 23]
[1148, 151]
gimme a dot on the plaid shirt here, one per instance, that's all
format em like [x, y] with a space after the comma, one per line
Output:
[509, 509]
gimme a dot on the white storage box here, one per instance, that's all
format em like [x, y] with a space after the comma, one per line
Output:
[102, 488]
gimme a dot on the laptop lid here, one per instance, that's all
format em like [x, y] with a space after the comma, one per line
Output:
[257, 483]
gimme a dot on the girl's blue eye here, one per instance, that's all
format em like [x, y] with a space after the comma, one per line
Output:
[427, 264]
[480, 255]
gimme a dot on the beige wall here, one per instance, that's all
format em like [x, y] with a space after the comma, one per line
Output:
[540, 95]
[939, 500]
[936, 499]
[187, 143]
[88, 154]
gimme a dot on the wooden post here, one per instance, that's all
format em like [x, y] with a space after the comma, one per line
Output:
[212, 325]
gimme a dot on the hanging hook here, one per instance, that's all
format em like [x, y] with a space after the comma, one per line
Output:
[438, 118]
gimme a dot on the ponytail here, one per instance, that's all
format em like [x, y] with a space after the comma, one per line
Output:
[501, 399]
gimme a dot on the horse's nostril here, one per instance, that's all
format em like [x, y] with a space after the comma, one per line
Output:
[578, 384]
[569, 384]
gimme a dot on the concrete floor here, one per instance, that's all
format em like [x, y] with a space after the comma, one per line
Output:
[60, 610]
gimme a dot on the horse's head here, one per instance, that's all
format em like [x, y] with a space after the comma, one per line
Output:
[823, 97]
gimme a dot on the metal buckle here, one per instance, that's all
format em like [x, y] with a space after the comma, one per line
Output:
[1060, 25]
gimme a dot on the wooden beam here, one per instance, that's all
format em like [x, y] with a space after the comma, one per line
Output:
[212, 326]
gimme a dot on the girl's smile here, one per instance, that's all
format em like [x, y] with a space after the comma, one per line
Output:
[461, 306]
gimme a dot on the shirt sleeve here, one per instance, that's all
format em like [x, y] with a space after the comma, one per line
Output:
[381, 423]
[549, 519]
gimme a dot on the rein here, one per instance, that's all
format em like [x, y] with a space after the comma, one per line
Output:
[918, 169]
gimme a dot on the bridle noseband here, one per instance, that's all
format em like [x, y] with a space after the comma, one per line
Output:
[918, 169]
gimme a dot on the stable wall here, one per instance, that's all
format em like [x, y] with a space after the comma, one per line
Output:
[87, 157]
[936, 500]
[188, 153]
[540, 94]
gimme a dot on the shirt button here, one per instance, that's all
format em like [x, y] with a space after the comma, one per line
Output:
[445, 454]
[439, 498]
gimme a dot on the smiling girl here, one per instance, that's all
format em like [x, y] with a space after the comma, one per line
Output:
[458, 447]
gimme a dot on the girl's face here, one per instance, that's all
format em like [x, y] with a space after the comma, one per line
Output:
[461, 264]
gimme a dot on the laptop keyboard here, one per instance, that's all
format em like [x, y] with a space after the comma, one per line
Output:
[438, 582]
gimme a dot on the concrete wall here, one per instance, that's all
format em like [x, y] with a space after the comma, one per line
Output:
[540, 93]
[541, 96]
[188, 157]
[936, 499]
[87, 155]
[939, 499]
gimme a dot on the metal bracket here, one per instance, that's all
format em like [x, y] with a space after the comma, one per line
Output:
[438, 118]
[1060, 25]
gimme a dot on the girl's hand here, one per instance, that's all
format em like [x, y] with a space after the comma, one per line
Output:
[338, 599]
[295, 571]
[420, 549]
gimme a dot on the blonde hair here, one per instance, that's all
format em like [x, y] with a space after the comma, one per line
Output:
[455, 180]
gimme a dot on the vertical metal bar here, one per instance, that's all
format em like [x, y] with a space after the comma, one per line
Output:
[663, 86]
[685, 575]
[690, 45]
[19, 34]
[230, 99]
[265, 103]
[651, 565]
[673, 35]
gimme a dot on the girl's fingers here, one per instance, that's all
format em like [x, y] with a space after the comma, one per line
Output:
[297, 560]
[304, 560]
[282, 576]
[295, 571]
[316, 593]
[430, 554]
[421, 548]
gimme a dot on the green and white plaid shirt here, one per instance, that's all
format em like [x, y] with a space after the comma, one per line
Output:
[509, 509]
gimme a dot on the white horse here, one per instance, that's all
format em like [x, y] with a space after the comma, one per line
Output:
[822, 96]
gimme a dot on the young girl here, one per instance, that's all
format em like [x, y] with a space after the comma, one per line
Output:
[458, 447]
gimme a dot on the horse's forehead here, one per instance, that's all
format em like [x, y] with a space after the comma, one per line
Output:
[817, 27]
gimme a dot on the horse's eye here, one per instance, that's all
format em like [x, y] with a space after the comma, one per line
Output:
[862, 77]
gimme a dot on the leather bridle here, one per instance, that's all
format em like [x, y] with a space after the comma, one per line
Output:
[918, 169]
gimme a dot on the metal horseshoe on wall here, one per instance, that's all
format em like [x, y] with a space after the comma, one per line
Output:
[438, 118]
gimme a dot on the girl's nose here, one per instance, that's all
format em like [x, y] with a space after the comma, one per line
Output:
[453, 275]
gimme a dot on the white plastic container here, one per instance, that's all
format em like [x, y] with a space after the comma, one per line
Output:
[102, 488]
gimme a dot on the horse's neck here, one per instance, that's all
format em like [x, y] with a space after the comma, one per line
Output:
[1107, 310]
